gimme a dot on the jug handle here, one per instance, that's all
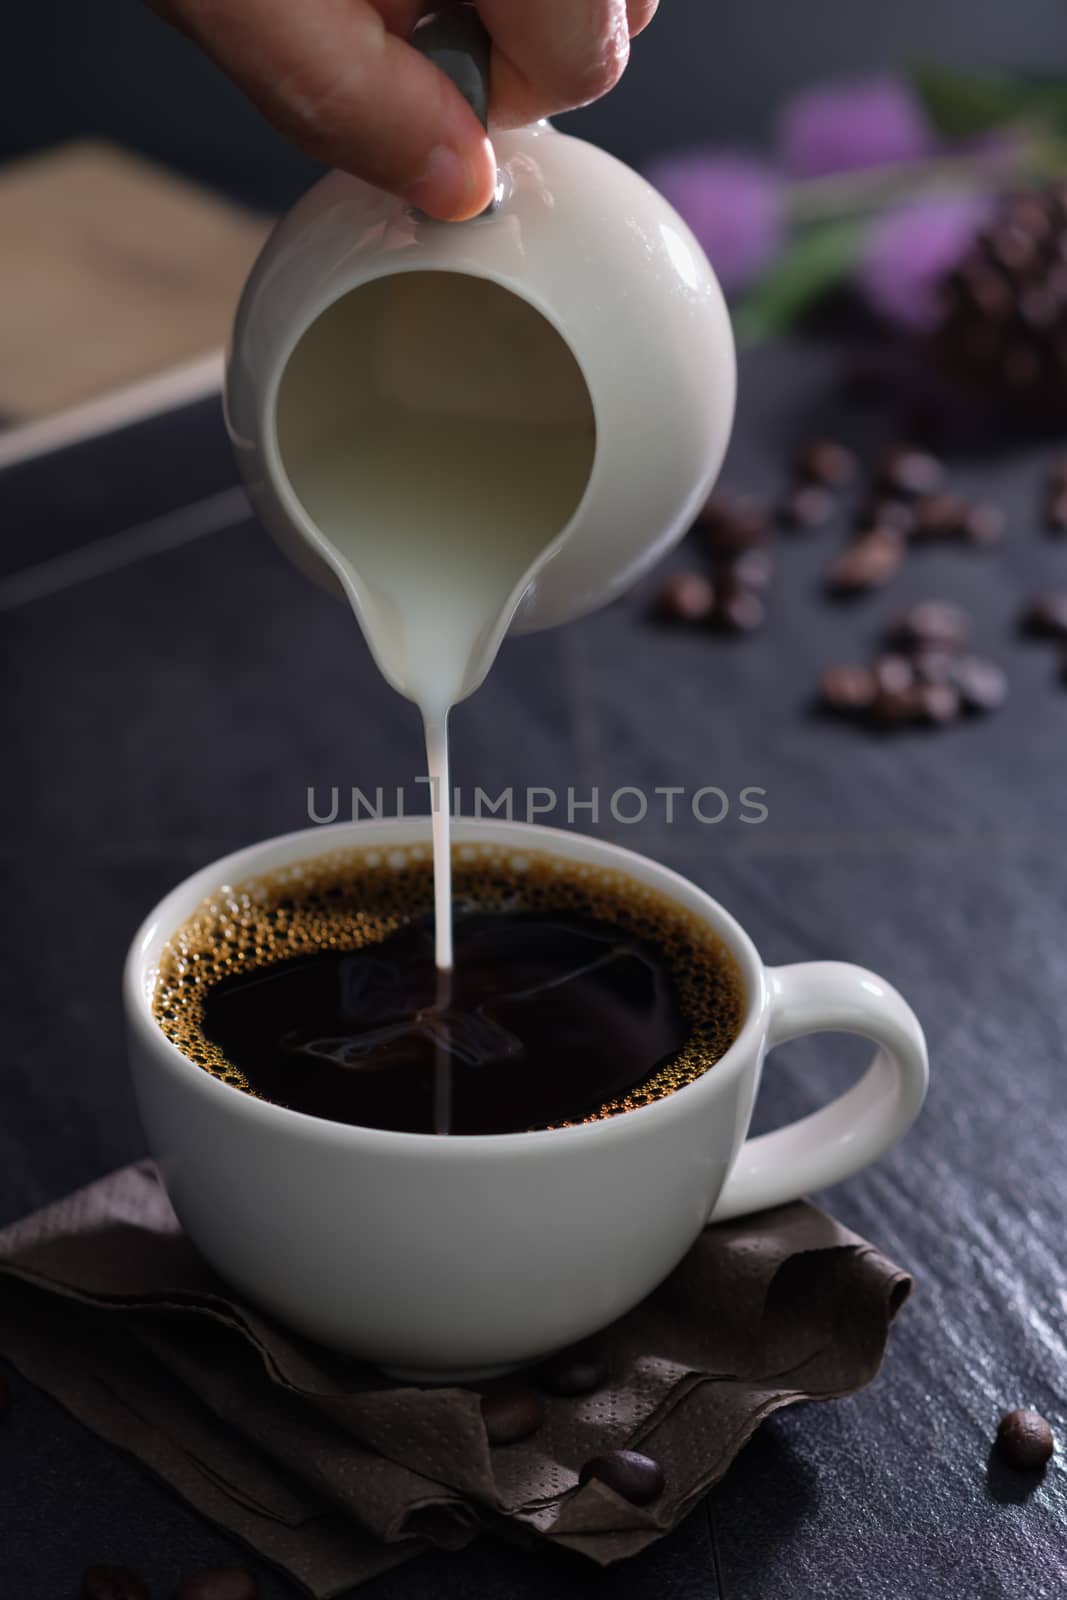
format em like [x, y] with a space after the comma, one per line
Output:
[457, 41]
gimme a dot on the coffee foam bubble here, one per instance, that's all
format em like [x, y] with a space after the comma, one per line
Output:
[352, 898]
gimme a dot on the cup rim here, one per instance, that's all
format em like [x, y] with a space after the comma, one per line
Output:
[165, 918]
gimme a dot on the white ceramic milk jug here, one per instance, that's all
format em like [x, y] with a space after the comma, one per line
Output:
[538, 399]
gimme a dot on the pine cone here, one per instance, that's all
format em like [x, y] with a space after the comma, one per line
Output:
[1004, 330]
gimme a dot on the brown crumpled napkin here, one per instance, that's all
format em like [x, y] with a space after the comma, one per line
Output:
[335, 1473]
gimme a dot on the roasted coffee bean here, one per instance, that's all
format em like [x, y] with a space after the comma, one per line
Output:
[981, 685]
[1012, 247]
[931, 623]
[934, 666]
[512, 1414]
[848, 689]
[1039, 307]
[733, 540]
[1028, 212]
[635, 1477]
[738, 609]
[894, 708]
[730, 524]
[577, 1371]
[1046, 616]
[807, 507]
[940, 516]
[752, 569]
[113, 1583]
[218, 1583]
[990, 292]
[718, 510]
[686, 597]
[894, 674]
[825, 462]
[936, 703]
[984, 525]
[1056, 512]
[904, 470]
[1025, 1440]
[867, 563]
[885, 513]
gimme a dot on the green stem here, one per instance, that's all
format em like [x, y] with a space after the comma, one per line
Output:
[846, 194]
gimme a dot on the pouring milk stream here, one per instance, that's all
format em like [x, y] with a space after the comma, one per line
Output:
[475, 426]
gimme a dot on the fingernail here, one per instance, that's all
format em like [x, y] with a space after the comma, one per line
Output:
[452, 188]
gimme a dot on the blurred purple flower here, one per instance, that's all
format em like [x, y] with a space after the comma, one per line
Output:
[910, 250]
[733, 203]
[844, 127]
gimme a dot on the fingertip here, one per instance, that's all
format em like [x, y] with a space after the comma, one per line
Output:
[455, 185]
[640, 14]
[482, 180]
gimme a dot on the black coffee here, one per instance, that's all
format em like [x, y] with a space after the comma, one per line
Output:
[545, 1017]
[572, 996]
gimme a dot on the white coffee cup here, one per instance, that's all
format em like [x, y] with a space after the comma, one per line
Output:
[445, 1258]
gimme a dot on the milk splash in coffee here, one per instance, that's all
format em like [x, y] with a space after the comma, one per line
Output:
[461, 442]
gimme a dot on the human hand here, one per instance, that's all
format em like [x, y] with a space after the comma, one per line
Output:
[339, 78]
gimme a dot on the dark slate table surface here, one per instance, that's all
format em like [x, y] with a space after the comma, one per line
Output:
[173, 689]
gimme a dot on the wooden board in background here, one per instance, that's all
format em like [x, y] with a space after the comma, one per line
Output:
[111, 270]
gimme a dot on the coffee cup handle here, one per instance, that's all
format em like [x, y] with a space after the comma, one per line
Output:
[861, 1124]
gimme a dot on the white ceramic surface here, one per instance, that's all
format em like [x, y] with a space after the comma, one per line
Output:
[608, 263]
[447, 1257]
